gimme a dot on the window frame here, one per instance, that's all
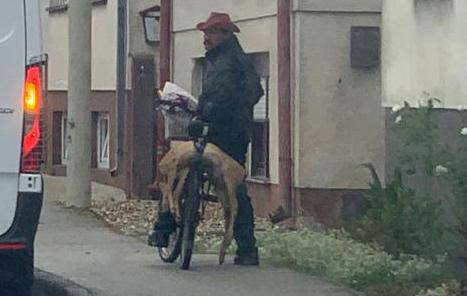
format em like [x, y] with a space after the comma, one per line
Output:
[266, 138]
[261, 61]
[64, 149]
[103, 161]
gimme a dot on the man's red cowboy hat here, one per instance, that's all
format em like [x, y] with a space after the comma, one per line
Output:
[218, 20]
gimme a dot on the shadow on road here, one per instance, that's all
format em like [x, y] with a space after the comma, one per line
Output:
[47, 284]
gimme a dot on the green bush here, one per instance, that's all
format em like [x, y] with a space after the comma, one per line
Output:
[423, 152]
[419, 149]
[456, 176]
[398, 220]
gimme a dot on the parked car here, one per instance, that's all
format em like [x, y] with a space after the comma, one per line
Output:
[22, 65]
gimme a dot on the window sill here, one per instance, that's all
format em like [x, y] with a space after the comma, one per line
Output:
[100, 170]
[57, 8]
[153, 42]
[64, 7]
[258, 180]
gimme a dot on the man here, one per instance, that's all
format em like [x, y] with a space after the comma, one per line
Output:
[231, 88]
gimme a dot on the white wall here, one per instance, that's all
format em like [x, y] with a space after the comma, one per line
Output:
[338, 5]
[425, 51]
[187, 13]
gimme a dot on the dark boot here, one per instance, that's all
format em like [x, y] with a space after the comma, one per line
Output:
[247, 253]
[164, 226]
[250, 258]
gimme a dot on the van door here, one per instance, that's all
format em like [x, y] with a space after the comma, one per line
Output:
[12, 72]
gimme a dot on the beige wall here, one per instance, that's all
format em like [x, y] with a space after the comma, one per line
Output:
[104, 46]
[187, 13]
[55, 43]
[425, 51]
[104, 39]
[104, 42]
[338, 5]
[339, 121]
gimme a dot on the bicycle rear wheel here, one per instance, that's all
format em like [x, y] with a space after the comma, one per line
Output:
[191, 203]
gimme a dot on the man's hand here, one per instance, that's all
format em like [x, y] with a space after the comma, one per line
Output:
[198, 128]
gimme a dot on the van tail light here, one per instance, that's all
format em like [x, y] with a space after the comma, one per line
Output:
[32, 148]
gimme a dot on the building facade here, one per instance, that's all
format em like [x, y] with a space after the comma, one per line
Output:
[115, 141]
[337, 120]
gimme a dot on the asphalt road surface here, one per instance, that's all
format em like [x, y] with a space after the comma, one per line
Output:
[82, 249]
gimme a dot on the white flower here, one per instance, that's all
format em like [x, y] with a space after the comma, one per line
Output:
[422, 103]
[464, 131]
[398, 119]
[396, 108]
[440, 170]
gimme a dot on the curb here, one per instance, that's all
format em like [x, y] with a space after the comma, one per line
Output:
[51, 284]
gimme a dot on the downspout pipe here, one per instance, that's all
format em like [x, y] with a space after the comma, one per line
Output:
[166, 41]
[284, 105]
[164, 76]
[121, 85]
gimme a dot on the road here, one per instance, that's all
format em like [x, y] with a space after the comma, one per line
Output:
[47, 284]
[82, 249]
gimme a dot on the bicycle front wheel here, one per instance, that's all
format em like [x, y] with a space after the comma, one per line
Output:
[190, 215]
[172, 251]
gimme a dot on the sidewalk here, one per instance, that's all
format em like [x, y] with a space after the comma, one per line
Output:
[82, 249]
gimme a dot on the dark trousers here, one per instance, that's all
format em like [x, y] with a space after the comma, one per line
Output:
[244, 223]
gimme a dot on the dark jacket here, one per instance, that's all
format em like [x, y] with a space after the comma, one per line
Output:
[231, 88]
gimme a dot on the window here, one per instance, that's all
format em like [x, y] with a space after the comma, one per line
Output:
[259, 150]
[197, 76]
[64, 138]
[103, 140]
[258, 155]
[258, 158]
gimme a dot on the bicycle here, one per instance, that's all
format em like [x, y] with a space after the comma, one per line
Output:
[195, 197]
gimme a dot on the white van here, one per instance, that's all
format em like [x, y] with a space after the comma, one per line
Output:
[22, 66]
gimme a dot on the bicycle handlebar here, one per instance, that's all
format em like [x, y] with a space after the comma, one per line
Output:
[176, 103]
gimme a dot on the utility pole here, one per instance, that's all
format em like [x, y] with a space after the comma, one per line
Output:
[79, 97]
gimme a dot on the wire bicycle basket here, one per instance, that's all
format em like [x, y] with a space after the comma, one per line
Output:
[176, 121]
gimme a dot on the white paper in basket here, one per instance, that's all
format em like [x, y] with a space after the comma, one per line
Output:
[174, 92]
